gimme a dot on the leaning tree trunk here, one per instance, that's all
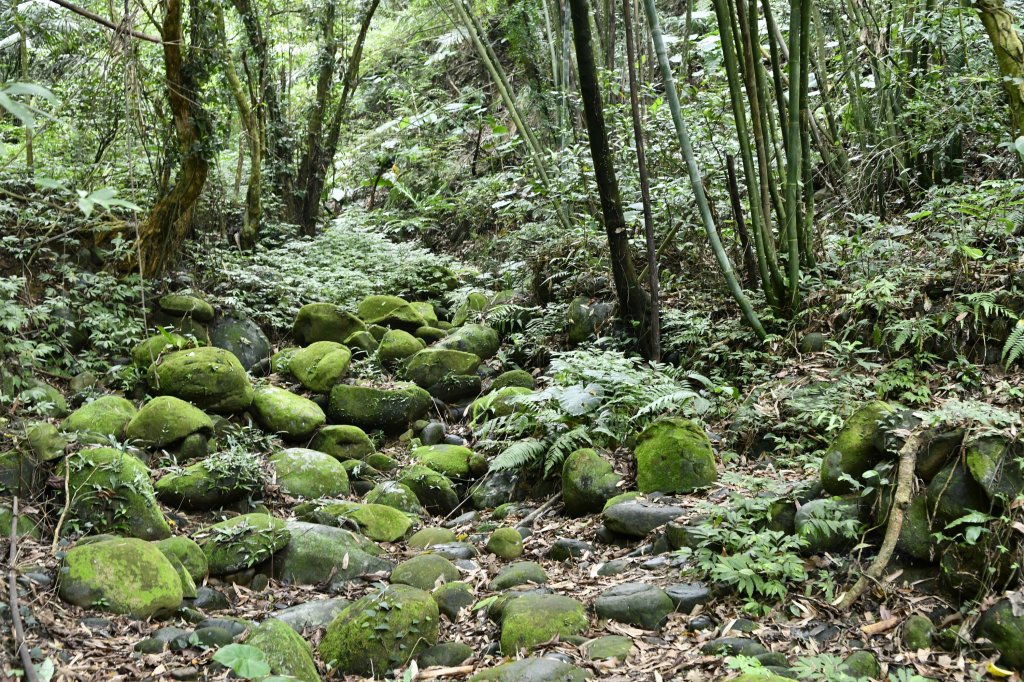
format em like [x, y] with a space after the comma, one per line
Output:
[1009, 49]
[163, 231]
[633, 300]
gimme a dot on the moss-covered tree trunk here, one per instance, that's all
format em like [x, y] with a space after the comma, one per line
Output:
[163, 232]
[633, 300]
[1009, 49]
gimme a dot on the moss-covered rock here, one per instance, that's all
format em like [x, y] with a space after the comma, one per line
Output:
[381, 631]
[519, 573]
[376, 408]
[211, 378]
[452, 598]
[854, 449]
[281, 361]
[398, 345]
[1000, 625]
[150, 350]
[45, 441]
[533, 670]
[183, 305]
[105, 417]
[242, 542]
[26, 526]
[434, 490]
[362, 342]
[287, 653]
[994, 462]
[282, 412]
[478, 339]
[43, 399]
[915, 538]
[343, 442]
[674, 456]
[608, 647]
[454, 461]
[189, 553]
[533, 619]
[954, 493]
[397, 495]
[121, 575]
[326, 555]
[320, 366]
[817, 523]
[110, 491]
[309, 473]
[390, 311]
[243, 338]
[425, 571]
[516, 377]
[505, 543]
[430, 335]
[376, 521]
[475, 302]
[587, 483]
[639, 604]
[431, 365]
[325, 322]
[18, 474]
[217, 481]
[500, 403]
[917, 632]
[427, 312]
[166, 420]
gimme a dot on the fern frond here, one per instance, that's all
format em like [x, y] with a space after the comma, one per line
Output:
[1013, 349]
[563, 446]
[520, 454]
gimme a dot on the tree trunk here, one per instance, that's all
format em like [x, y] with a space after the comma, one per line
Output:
[633, 300]
[1009, 49]
[314, 185]
[163, 231]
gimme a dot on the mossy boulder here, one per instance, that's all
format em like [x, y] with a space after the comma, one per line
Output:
[541, 669]
[674, 456]
[110, 491]
[18, 474]
[188, 553]
[362, 343]
[427, 312]
[26, 526]
[376, 521]
[434, 490]
[370, 408]
[854, 450]
[452, 598]
[639, 604]
[324, 322]
[587, 483]
[425, 571]
[505, 543]
[381, 631]
[217, 481]
[166, 420]
[183, 305]
[533, 619]
[519, 573]
[343, 442]
[45, 441]
[242, 542]
[1001, 626]
[431, 365]
[105, 417]
[516, 377]
[430, 335]
[309, 473]
[281, 361]
[500, 403]
[397, 495]
[282, 412]
[287, 653]
[454, 461]
[994, 462]
[390, 311]
[425, 537]
[954, 493]
[915, 538]
[325, 555]
[243, 338]
[120, 575]
[42, 398]
[320, 365]
[818, 523]
[475, 302]
[398, 345]
[150, 350]
[918, 631]
[211, 378]
[478, 339]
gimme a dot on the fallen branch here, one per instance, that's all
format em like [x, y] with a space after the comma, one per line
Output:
[12, 583]
[435, 673]
[537, 513]
[897, 510]
[64, 512]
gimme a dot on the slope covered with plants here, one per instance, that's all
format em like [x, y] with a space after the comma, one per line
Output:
[526, 340]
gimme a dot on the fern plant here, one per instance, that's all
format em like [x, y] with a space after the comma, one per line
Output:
[1013, 349]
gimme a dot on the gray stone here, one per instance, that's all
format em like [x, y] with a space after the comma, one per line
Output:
[567, 548]
[520, 573]
[312, 615]
[688, 596]
[318, 554]
[639, 604]
[637, 518]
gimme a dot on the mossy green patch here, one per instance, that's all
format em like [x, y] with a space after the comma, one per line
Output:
[287, 653]
[674, 456]
[425, 537]
[188, 553]
[398, 345]
[309, 473]
[431, 365]
[854, 451]
[454, 461]
[182, 305]
[211, 378]
[434, 490]
[381, 631]
[500, 403]
[216, 481]
[424, 571]
[533, 619]
[320, 366]
[105, 417]
[324, 322]
[242, 542]
[343, 442]
[505, 543]
[478, 339]
[375, 408]
[516, 377]
[282, 412]
[376, 521]
[110, 491]
[587, 482]
[166, 420]
[122, 575]
[150, 350]
[390, 311]
[397, 495]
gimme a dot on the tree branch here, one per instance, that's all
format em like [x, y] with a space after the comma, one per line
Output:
[82, 12]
